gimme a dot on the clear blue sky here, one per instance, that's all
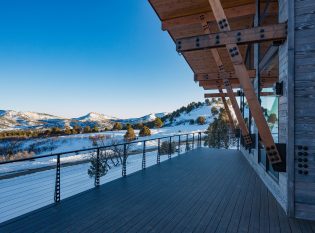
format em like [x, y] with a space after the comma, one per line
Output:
[71, 57]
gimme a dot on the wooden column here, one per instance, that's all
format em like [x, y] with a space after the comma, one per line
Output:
[242, 74]
[224, 75]
[228, 112]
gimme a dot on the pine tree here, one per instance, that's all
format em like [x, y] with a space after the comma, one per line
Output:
[130, 134]
[158, 123]
[96, 129]
[218, 134]
[272, 118]
[117, 126]
[67, 130]
[145, 131]
[87, 129]
[201, 120]
[214, 111]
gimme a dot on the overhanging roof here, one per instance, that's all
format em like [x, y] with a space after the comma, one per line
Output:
[180, 19]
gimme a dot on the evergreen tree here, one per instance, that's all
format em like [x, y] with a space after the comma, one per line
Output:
[214, 111]
[201, 120]
[130, 134]
[96, 129]
[68, 130]
[145, 131]
[218, 134]
[158, 123]
[87, 129]
[117, 126]
[272, 118]
[77, 129]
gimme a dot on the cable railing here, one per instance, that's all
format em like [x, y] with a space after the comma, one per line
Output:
[32, 183]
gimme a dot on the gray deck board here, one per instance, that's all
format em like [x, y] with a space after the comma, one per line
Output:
[204, 190]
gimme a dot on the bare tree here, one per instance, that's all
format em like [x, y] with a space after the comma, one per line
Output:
[109, 157]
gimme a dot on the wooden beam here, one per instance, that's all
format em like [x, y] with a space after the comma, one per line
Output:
[225, 77]
[219, 95]
[276, 32]
[228, 112]
[211, 76]
[232, 75]
[268, 57]
[241, 72]
[232, 13]
[264, 81]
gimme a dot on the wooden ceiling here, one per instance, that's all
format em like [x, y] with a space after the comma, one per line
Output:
[181, 19]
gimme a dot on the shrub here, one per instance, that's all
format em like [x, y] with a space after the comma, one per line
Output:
[167, 148]
[272, 118]
[130, 134]
[87, 129]
[158, 123]
[145, 131]
[117, 126]
[201, 120]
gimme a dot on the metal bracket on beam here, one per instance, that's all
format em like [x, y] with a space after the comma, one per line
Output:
[277, 32]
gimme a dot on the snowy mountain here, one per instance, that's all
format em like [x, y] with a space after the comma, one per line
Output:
[93, 116]
[13, 120]
[144, 119]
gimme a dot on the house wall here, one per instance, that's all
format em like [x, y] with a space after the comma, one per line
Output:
[278, 187]
[304, 108]
[295, 189]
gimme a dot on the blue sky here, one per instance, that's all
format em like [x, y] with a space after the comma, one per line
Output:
[72, 57]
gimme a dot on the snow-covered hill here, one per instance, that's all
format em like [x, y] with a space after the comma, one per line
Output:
[144, 119]
[13, 120]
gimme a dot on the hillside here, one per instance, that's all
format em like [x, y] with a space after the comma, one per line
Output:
[14, 120]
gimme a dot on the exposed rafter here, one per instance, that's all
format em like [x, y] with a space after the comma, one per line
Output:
[233, 12]
[232, 75]
[268, 57]
[264, 82]
[213, 76]
[220, 95]
[276, 32]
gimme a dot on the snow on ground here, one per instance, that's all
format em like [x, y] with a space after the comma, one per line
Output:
[82, 141]
[26, 193]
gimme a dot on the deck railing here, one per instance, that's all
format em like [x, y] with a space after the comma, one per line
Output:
[31, 183]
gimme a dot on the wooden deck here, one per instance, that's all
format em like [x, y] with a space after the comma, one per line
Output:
[202, 191]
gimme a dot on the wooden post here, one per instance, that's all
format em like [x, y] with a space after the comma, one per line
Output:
[228, 112]
[242, 74]
[225, 76]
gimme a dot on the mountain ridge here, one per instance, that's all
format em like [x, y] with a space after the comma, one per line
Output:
[14, 120]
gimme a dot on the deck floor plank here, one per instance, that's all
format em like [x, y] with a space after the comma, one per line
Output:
[204, 190]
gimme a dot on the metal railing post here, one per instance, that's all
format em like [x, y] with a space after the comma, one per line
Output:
[97, 169]
[170, 149]
[57, 182]
[238, 143]
[187, 145]
[143, 156]
[193, 141]
[199, 134]
[179, 144]
[158, 159]
[124, 169]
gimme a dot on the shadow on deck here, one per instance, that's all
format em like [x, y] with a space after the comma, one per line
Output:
[204, 190]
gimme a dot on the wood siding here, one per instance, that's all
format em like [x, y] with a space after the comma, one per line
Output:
[304, 119]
